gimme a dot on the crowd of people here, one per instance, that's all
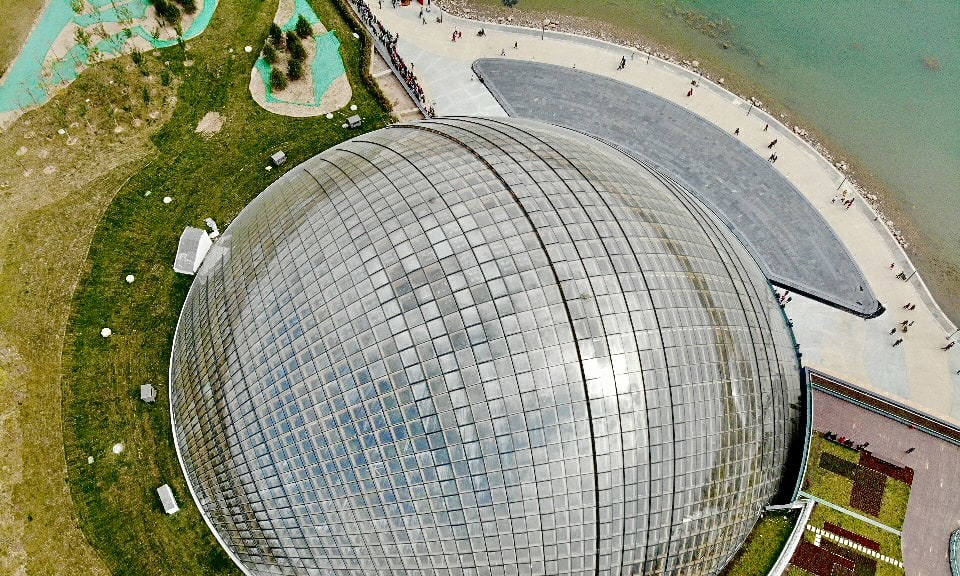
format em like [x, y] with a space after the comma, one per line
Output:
[389, 42]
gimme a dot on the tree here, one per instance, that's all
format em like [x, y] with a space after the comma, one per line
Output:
[295, 46]
[189, 6]
[269, 53]
[276, 35]
[303, 27]
[295, 69]
[278, 80]
[167, 11]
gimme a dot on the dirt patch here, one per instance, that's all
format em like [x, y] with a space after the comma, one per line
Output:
[211, 123]
[299, 93]
[336, 97]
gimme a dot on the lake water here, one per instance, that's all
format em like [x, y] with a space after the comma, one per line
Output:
[881, 78]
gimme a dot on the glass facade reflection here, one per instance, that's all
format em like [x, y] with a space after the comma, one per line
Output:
[482, 347]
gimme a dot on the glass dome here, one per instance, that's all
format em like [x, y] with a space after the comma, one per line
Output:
[482, 347]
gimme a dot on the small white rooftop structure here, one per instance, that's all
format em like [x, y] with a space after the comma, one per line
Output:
[193, 246]
[214, 231]
[169, 502]
[148, 393]
[278, 158]
[354, 121]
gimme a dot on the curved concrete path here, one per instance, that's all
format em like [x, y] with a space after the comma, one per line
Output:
[793, 244]
[917, 372]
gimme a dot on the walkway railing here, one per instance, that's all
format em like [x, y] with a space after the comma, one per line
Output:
[385, 43]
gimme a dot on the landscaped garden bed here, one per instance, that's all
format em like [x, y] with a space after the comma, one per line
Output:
[762, 548]
[858, 480]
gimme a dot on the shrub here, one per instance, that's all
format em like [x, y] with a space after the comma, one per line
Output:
[295, 46]
[276, 35]
[303, 27]
[189, 6]
[295, 69]
[167, 11]
[510, 3]
[269, 53]
[165, 77]
[278, 80]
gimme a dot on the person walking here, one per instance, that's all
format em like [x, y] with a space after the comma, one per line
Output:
[689, 92]
[948, 346]
[773, 143]
[765, 126]
[898, 342]
[736, 132]
[909, 450]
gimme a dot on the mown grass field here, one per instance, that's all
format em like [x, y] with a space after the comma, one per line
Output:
[73, 222]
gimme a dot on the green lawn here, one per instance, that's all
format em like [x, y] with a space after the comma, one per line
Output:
[836, 488]
[763, 546]
[215, 177]
[889, 542]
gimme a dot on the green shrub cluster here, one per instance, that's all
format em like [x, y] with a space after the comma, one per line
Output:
[167, 11]
[303, 28]
[189, 6]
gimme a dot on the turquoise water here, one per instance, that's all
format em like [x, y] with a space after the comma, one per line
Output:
[856, 70]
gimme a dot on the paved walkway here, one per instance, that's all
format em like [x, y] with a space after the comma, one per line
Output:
[934, 508]
[916, 372]
[794, 246]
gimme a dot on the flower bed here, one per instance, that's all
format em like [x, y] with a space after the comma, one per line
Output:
[844, 533]
[816, 560]
[867, 493]
[837, 465]
[864, 566]
[902, 473]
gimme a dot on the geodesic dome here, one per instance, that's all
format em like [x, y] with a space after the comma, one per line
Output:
[482, 347]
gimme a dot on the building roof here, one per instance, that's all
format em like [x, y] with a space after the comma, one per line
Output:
[193, 246]
[467, 325]
[167, 499]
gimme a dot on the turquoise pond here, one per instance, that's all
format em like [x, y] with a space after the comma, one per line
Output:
[27, 84]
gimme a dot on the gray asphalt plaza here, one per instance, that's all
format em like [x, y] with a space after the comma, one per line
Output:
[934, 508]
[916, 372]
[793, 244]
